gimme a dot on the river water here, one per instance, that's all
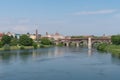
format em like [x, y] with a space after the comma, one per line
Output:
[58, 63]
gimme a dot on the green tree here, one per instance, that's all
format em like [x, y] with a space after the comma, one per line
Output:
[14, 42]
[6, 47]
[102, 47]
[115, 39]
[25, 40]
[46, 41]
[6, 39]
[1, 44]
[35, 45]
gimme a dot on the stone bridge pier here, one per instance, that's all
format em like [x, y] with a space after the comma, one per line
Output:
[77, 44]
[89, 43]
[67, 44]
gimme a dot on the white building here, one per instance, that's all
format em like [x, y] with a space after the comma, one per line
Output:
[55, 36]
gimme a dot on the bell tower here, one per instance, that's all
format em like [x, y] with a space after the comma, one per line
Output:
[36, 35]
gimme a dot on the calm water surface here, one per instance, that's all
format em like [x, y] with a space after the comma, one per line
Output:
[58, 64]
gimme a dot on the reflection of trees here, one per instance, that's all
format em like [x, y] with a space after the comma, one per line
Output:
[116, 58]
[39, 53]
[117, 55]
[25, 55]
[6, 57]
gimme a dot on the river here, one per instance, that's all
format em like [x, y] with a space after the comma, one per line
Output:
[58, 63]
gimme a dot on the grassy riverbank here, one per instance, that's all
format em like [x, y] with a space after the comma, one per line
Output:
[114, 49]
[25, 47]
[46, 46]
[18, 47]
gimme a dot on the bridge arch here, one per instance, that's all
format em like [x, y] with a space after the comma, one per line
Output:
[83, 41]
[95, 43]
[66, 44]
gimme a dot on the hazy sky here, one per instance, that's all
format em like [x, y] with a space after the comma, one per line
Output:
[68, 17]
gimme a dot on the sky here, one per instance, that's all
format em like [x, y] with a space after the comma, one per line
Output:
[67, 17]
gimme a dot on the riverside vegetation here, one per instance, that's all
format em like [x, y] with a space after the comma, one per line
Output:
[24, 42]
[113, 48]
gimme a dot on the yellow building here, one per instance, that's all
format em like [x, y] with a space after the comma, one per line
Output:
[33, 36]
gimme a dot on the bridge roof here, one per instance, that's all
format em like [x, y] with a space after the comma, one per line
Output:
[79, 39]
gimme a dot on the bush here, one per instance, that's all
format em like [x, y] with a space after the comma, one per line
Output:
[6, 39]
[25, 40]
[60, 45]
[6, 47]
[115, 39]
[42, 46]
[22, 47]
[35, 45]
[1, 44]
[46, 41]
[14, 42]
[102, 47]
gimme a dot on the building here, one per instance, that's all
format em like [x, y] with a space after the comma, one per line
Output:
[17, 36]
[32, 36]
[1, 34]
[55, 36]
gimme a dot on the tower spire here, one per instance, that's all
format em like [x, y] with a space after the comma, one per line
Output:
[36, 35]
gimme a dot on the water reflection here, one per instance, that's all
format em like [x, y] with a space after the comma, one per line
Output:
[27, 55]
[89, 52]
[49, 52]
[117, 55]
[115, 58]
[59, 63]
[6, 57]
[56, 52]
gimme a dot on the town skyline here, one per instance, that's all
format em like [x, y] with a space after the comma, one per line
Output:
[47, 33]
[66, 17]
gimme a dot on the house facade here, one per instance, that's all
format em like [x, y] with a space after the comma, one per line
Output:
[55, 36]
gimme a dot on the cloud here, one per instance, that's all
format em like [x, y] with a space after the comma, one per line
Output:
[96, 12]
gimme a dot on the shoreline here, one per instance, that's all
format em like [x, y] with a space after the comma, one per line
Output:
[113, 49]
[24, 47]
[17, 48]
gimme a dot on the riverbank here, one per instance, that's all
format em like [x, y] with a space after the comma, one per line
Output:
[17, 48]
[114, 49]
[24, 47]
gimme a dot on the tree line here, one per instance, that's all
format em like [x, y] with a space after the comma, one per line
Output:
[24, 40]
[115, 40]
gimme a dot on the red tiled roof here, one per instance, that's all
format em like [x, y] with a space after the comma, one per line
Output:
[1, 34]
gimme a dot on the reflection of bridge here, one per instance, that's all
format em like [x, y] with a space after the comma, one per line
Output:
[88, 41]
